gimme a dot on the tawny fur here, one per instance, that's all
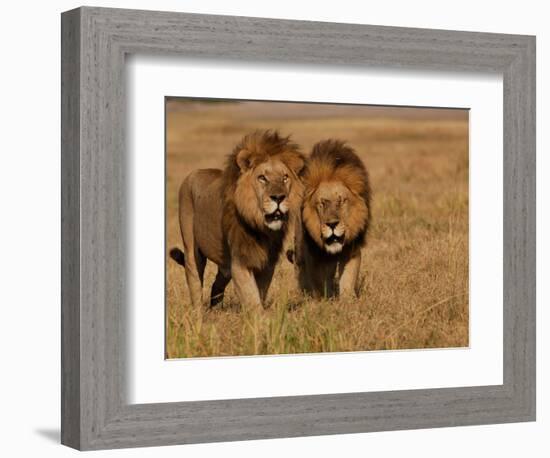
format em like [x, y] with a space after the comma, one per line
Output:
[223, 216]
[247, 238]
[333, 166]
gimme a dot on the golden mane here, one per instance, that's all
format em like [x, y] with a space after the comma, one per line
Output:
[253, 244]
[334, 160]
[323, 272]
[262, 145]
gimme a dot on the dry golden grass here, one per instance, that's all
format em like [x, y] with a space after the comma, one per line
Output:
[414, 291]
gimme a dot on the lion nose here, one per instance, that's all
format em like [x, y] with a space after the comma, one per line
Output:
[333, 225]
[277, 198]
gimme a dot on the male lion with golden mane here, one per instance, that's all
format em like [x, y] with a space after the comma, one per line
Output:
[335, 218]
[238, 217]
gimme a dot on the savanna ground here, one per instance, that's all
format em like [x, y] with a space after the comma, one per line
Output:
[414, 275]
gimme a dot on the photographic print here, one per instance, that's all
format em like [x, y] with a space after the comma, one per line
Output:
[306, 227]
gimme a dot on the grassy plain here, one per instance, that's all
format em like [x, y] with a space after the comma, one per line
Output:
[415, 276]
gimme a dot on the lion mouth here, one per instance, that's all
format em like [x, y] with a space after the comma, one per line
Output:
[333, 239]
[277, 215]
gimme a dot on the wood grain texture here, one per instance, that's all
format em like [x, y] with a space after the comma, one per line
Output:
[95, 411]
[70, 229]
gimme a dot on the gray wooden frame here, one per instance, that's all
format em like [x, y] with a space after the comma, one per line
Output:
[95, 413]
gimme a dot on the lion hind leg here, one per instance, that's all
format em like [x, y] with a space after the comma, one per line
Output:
[194, 272]
[218, 287]
[194, 260]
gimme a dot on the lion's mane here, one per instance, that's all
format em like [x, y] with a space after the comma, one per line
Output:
[331, 161]
[246, 237]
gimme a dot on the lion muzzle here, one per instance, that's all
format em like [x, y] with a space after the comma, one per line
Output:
[333, 237]
[276, 212]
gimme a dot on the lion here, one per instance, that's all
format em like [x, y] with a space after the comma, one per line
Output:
[239, 217]
[335, 218]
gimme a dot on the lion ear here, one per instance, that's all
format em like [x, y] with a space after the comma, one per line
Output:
[296, 163]
[244, 160]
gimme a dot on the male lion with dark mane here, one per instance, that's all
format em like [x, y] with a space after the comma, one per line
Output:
[335, 218]
[238, 217]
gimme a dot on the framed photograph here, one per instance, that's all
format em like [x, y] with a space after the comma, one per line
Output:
[277, 228]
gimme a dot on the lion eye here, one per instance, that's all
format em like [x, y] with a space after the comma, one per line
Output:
[262, 178]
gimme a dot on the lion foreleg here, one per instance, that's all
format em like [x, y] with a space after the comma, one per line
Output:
[246, 287]
[349, 275]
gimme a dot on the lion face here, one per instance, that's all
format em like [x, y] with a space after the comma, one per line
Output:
[271, 182]
[331, 202]
[267, 190]
[334, 216]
